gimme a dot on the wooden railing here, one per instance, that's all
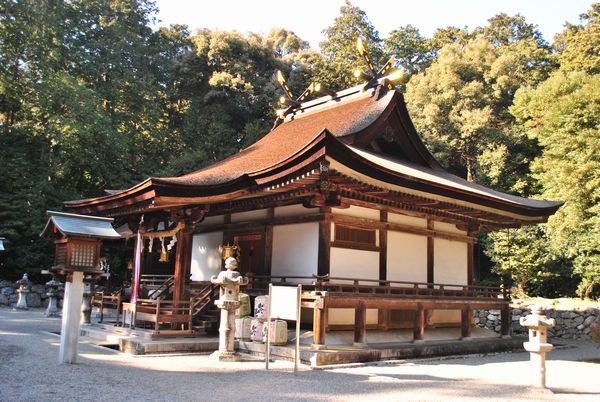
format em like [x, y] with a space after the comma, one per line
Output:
[104, 300]
[165, 312]
[381, 287]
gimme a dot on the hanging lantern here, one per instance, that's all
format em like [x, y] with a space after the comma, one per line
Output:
[164, 256]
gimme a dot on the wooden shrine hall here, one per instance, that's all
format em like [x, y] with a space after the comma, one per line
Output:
[341, 196]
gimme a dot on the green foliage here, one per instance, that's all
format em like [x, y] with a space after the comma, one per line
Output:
[563, 115]
[527, 257]
[578, 45]
[460, 102]
[412, 51]
[340, 57]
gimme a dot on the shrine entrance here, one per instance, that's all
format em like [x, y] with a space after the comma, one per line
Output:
[252, 253]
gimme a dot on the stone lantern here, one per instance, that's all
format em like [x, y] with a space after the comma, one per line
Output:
[23, 291]
[77, 240]
[229, 301]
[538, 345]
[53, 293]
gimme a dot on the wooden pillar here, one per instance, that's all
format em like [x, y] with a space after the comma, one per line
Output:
[470, 260]
[383, 217]
[465, 322]
[360, 324]
[419, 327]
[268, 248]
[183, 260]
[383, 316]
[324, 248]
[319, 326]
[505, 321]
[430, 256]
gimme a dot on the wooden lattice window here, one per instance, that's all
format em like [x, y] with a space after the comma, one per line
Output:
[357, 238]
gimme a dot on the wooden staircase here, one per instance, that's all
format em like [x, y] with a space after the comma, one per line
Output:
[206, 314]
[159, 287]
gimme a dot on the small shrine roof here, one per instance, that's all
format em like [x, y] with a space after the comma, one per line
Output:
[80, 225]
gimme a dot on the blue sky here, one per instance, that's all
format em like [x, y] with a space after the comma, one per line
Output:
[307, 18]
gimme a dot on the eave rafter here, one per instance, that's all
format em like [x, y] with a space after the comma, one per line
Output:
[352, 188]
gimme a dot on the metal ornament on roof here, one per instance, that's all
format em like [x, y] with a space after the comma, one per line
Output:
[293, 103]
[387, 73]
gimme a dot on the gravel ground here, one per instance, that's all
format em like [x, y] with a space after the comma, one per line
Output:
[29, 371]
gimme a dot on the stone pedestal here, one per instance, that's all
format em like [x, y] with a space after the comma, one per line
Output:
[69, 333]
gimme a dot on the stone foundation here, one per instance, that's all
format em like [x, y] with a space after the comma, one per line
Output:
[571, 322]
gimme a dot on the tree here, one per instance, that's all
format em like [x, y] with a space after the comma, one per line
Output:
[340, 57]
[412, 51]
[503, 30]
[562, 114]
[578, 46]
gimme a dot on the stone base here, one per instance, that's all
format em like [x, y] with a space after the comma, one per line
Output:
[226, 356]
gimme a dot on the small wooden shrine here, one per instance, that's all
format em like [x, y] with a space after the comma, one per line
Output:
[342, 196]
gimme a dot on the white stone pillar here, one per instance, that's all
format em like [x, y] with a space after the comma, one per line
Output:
[69, 334]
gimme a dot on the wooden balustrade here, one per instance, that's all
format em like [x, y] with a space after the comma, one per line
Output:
[384, 287]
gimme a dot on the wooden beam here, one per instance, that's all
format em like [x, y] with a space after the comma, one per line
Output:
[268, 248]
[470, 263]
[430, 255]
[324, 253]
[505, 320]
[319, 324]
[466, 315]
[419, 327]
[183, 259]
[383, 217]
[360, 324]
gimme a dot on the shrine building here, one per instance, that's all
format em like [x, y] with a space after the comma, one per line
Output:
[341, 196]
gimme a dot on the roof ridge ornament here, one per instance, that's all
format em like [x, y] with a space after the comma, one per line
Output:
[385, 77]
[293, 103]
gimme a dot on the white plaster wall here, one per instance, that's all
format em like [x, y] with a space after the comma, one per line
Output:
[348, 263]
[212, 220]
[449, 262]
[294, 210]
[407, 220]
[358, 212]
[448, 227]
[206, 255]
[257, 215]
[295, 249]
[406, 257]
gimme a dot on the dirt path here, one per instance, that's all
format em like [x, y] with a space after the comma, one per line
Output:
[29, 371]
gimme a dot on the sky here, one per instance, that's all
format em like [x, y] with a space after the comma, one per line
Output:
[307, 18]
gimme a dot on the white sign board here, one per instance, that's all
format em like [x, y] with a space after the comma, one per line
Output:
[285, 303]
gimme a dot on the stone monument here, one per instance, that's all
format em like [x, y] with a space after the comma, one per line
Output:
[229, 301]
